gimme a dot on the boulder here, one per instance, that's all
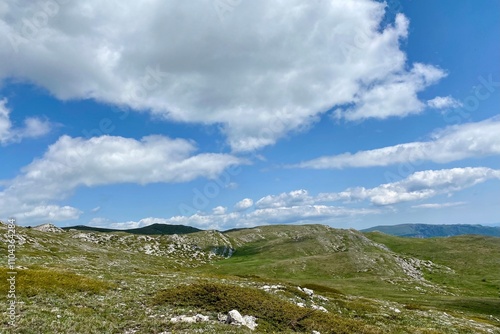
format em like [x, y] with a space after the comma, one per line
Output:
[235, 318]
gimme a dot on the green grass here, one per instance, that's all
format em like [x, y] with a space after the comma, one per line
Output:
[31, 282]
[273, 313]
[76, 286]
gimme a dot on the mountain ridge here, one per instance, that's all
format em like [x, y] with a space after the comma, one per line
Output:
[435, 230]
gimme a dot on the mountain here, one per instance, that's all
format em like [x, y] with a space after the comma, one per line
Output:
[431, 231]
[285, 278]
[153, 229]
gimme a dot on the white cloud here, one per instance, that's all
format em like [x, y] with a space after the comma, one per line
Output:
[299, 207]
[438, 205]
[243, 204]
[395, 96]
[96, 209]
[471, 140]
[283, 215]
[296, 197]
[99, 222]
[73, 162]
[267, 69]
[52, 213]
[444, 102]
[33, 127]
[219, 210]
[422, 185]
[417, 186]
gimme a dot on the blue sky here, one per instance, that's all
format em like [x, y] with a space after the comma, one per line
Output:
[222, 114]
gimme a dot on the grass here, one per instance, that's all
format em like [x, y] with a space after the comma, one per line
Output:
[31, 282]
[77, 286]
[273, 313]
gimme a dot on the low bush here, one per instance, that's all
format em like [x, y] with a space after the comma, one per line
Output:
[273, 313]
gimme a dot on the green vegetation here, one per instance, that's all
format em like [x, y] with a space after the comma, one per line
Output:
[31, 282]
[274, 313]
[153, 229]
[431, 230]
[116, 282]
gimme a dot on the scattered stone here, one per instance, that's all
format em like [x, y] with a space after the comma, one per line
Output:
[201, 318]
[301, 305]
[250, 321]
[321, 298]
[235, 318]
[308, 292]
[193, 319]
[315, 332]
[222, 317]
[319, 308]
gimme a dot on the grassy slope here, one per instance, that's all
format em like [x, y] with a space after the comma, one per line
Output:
[475, 259]
[111, 285]
[428, 230]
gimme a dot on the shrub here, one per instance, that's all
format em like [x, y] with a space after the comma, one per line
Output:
[273, 313]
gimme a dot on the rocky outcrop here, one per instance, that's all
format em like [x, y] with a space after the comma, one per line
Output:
[48, 228]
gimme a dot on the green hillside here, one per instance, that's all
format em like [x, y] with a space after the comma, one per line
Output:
[76, 281]
[430, 231]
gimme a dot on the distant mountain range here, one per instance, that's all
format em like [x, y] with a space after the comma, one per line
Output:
[154, 229]
[430, 231]
[401, 230]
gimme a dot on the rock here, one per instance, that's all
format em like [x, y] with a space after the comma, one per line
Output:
[319, 308]
[301, 305]
[201, 318]
[308, 292]
[48, 228]
[321, 298]
[315, 332]
[235, 318]
[185, 318]
[222, 317]
[250, 321]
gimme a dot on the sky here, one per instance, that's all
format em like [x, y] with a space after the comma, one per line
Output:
[223, 114]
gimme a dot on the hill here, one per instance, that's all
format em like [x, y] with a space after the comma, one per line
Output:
[431, 231]
[153, 229]
[290, 278]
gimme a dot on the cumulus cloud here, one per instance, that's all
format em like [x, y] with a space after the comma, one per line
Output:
[422, 185]
[219, 210]
[53, 213]
[296, 197]
[471, 140]
[283, 215]
[73, 162]
[267, 69]
[438, 205]
[395, 96]
[300, 207]
[33, 127]
[444, 102]
[243, 204]
[417, 186]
